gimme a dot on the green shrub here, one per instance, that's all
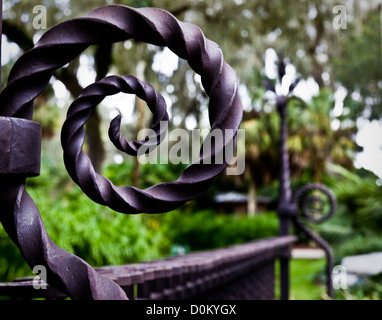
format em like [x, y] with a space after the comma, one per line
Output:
[98, 234]
[149, 174]
[94, 233]
[369, 288]
[207, 230]
[12, 264]
[103, 237]
[355, 226]
[359, 244]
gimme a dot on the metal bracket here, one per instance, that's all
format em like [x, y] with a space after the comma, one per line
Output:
[20, 147]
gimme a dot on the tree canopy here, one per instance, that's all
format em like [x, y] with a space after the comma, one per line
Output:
[303, 31]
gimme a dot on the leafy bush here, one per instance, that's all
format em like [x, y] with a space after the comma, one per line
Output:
[149, 174]
[369, 288]
[359, 244]
[359, 197]
[207, 230]
[12, 264]
[355, 227]
[99, 235]
[94, 233]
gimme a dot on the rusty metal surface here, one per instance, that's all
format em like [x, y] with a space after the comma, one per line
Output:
[30, 76]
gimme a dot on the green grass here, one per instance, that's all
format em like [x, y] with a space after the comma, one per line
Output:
[305, 284]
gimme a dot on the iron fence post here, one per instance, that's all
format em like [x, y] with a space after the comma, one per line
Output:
[289, 204]
[285, 204]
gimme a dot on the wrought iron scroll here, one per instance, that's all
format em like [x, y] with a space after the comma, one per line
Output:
[315, 201]
[20, 158]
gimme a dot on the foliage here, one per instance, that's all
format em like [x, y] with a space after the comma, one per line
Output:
[206, 230]
[356, 226]
[361, 196]
[12, 264]
[358, 67]
[369, 289]
[307, 283]
[150, 174]
[262, 148]
[303, 31]
[311, 143]
[359, 244]
[98, 235]
[103, 237]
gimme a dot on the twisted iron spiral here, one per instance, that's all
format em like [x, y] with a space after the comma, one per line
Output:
[316, 202]
[30, 76]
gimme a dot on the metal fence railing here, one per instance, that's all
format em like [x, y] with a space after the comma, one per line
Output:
[240, 272]
[243, 271]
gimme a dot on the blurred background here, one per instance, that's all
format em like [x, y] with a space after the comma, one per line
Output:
[333, 47]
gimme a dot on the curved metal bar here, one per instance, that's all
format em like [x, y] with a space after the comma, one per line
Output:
[313, 206]
[321, 213]
[328, 253]
[29, 77]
